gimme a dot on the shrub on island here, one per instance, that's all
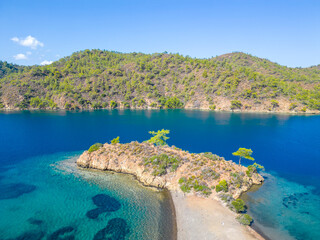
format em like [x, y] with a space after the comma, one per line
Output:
[115, 140]
[95, 147]
[239, 205]
[187, 184]
[251, 169]
[222, 186]
[245, 219]
[162, 163]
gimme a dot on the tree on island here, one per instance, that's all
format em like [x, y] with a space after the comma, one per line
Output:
[115, 140]
[243, 153]
[159, 138]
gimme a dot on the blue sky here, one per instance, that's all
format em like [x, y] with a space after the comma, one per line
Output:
[287, 32]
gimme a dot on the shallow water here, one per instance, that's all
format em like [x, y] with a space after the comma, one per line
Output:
[287, 145]
[62, 195]
[284, 210]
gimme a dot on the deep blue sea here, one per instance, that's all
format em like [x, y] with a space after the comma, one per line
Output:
[43, 193]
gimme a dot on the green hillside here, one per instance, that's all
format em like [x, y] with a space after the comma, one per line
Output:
[103, 79]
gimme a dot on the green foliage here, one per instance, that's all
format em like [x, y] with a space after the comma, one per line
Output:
[173, 103]
[274, 103]
[239, 205]
[222, 186]
[162, 163]
[237, 179]
[115, 140]
[126, 105]
[209, 173]
[245, 219]
[113, 104]
[93, 78]
[251, 170]
[205, 74]
[235, 104]
[95, 147]
[36, 102]
[141, 103]
[211, 156]
[8, 68]
[159, 138]
[153, 105]
[293, 106]
[243, 153]
[212, 107]
[187, 184]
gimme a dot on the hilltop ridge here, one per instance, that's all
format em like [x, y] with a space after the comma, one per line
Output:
[93, 79]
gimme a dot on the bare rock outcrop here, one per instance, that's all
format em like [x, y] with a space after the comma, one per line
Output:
[171, 168]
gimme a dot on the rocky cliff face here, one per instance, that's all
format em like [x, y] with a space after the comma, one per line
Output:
[171, 167]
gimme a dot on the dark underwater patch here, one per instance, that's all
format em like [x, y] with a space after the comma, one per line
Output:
[65, 233]
[32, 235]
[104, 203]
[9, 191]
[35, 221]
[94, 213]
[116, 229]
[293, 200]
[110, 204]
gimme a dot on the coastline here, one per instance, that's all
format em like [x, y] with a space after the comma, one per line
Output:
[194, 217]
[207, 218]
[293, 113]
[168, 208]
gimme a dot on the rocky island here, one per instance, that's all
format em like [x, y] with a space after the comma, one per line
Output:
[200, 183]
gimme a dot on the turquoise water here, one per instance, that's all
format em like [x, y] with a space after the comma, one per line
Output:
[62, 195]
[287, 205]
[284, 210]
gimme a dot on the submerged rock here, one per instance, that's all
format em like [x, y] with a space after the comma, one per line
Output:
[35, 221]
[65, 233]
[106, 202]
[32, 235]
[293, 200]
[9, 191]
[94, 213]
[116, 229]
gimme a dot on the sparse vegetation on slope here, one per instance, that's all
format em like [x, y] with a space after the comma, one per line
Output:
[103, 79]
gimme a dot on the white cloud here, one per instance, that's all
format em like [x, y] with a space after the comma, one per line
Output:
[15, 39]
[46, 62]
[20, 56]
[28, 42]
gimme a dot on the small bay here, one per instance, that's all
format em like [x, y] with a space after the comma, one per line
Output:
[44, 192]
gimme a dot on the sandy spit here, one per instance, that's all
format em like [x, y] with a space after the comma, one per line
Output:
[207, 219]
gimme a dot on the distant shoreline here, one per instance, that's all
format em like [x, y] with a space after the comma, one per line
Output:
[311, 113]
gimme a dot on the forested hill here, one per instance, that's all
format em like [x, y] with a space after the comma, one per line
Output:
[103, 79]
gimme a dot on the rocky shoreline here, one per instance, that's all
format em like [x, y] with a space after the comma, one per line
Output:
[264, 111]
[203, 171]
[131, 158]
